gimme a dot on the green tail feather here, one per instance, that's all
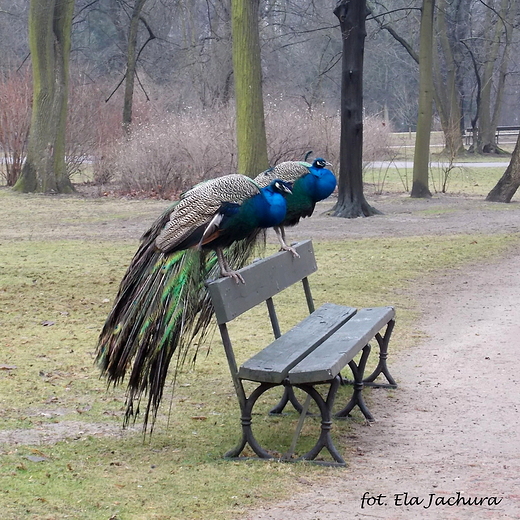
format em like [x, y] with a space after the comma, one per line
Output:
[161, 308]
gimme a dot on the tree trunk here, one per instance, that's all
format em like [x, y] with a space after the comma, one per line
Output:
[448, 104]
[509, 11]
[489, 115]
[448, 99]
[422, 139]
[131, 58]
[351, 200]
[508, 184]
[50, 26]
[250, 120]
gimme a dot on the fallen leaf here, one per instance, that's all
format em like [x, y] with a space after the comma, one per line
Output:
[38, 452]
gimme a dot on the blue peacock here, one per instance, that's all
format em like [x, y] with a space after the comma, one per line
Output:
[162, 304]
[311, 183]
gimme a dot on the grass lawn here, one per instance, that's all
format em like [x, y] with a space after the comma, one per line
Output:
[61, 262]
[473, 181]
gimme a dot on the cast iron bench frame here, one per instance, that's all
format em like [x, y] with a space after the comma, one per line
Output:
[310, 354]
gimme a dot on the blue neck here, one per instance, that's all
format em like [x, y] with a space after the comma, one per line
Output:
[321, 183]
[273, 210]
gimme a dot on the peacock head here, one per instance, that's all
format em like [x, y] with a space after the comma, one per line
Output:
[320, 163]
[283, 187]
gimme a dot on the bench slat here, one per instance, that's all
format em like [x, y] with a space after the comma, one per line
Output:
[328, 359]
[272, 364]
[263, 279]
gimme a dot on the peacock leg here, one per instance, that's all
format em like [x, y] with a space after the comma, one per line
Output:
[225, 270]
[280, 233]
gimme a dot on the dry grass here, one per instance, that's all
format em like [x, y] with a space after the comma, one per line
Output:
[468, 180]
[62, 452]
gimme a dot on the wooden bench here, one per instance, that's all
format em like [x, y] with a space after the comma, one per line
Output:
[506, 130]
[312, 353]
[500, 131]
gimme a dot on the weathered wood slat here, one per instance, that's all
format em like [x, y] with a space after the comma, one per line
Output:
[330, 357]
[263, 279]
[272, 364]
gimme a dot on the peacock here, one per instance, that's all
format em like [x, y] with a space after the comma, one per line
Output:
[311, 183]
[162, 304]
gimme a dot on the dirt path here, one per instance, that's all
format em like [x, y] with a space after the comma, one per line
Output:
[452, 426]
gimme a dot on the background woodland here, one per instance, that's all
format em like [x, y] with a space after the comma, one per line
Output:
[183, 108]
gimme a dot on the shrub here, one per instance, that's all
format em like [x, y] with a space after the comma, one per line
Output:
[170, 156]
[92, 125]
[377, 139]
[167, 157]
[15, 119]
[293, 131]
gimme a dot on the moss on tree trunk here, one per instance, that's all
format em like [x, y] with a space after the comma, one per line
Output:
[250, 121]
[49, 40]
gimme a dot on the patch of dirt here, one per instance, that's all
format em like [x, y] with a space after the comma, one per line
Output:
[402, 216]
[50, 433]
[449, 433]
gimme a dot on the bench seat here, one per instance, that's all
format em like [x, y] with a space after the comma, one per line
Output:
[273, 363]
[327, 360]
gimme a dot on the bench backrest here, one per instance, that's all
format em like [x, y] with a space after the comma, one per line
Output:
[263, 279]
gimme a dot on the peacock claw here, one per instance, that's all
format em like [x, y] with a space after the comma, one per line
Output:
[291, 250]
[225, 270]
[236, 276]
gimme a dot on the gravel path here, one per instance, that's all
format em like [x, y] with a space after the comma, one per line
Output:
[450, 432]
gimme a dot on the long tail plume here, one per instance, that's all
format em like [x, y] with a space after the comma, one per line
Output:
[161, 308]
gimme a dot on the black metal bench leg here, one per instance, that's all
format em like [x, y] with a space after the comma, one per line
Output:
[325, 406]
[246, 420]
[288, 396]
[324, 440]
[382, 367]
[357, 395]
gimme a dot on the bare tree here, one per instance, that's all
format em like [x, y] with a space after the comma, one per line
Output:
[508, 184]
[351, 200]
[13, 32]
[131, 61]
[447, 77]
[49, 38]
[421, 160]
[251, 135]
[493, 71]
